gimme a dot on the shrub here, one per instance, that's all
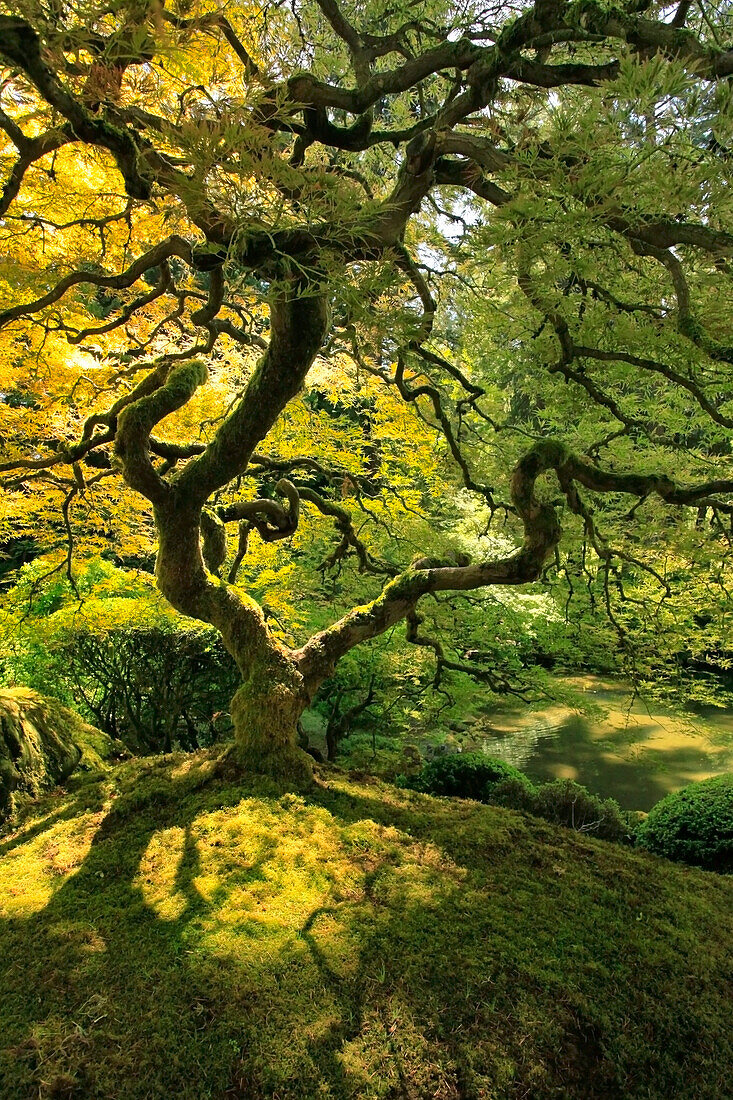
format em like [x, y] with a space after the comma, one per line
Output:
[694, 825]
[513, 793]
[567, 803]
[141, 673]
[562, 802]
[464, 775]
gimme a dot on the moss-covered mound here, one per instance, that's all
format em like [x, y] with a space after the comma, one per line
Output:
[164, 933]
[41, 743]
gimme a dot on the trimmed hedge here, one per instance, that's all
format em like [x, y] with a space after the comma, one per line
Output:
[463, 775]
[694, 825]
[513, 794]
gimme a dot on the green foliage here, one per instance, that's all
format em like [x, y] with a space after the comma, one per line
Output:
[473, 775]
[463, 775]
[677, 648]
[694, 825]
[564, 802]
[118, 654]
[514, 793]
[577, 293]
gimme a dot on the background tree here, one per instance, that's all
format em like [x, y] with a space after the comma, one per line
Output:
[514, 219]
[115, 650]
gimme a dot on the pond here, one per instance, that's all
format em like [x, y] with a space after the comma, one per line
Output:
[631, 751]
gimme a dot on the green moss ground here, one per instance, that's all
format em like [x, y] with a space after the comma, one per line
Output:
[168, 934]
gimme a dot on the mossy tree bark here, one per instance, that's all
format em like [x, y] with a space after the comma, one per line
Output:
[275, 688]
[267, 706]
[278, 683]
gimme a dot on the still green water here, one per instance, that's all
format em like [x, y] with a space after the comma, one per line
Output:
[635, 752]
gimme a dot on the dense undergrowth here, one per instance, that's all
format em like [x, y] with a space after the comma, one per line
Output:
[490, 780]
[167, 932]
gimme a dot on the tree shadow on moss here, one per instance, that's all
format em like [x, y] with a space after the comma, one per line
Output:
[518, 986]
[98, 944]
[89, 796]
[444, 966]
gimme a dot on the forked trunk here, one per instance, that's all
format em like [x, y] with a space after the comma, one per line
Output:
[266, 708]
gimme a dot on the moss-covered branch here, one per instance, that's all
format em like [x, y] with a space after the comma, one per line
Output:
[542, 532]
[318, 657]
[136, 421]
[298, 324]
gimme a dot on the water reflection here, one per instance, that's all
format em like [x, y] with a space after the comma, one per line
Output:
[630, 754]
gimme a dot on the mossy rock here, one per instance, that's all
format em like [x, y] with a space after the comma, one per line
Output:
[41, 743]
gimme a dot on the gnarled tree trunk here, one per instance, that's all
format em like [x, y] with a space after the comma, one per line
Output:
[273, 695]
[265, 712]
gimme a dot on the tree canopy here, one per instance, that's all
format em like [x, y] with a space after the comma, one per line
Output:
[277, 270]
